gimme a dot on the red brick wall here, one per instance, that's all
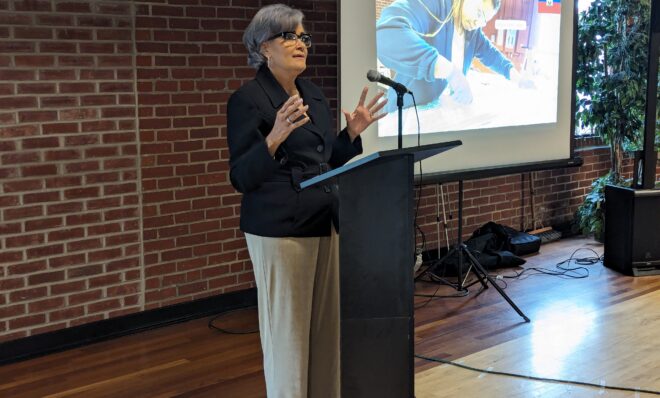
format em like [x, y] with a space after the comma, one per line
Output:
[508, 199]
[190, 59]
[69, 203]
[97, 220]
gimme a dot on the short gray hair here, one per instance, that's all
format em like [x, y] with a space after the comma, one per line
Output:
[266, 23]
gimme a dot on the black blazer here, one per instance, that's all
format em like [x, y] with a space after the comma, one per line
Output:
[273, 204]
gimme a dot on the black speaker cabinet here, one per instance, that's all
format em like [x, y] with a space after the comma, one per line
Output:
[632, 230]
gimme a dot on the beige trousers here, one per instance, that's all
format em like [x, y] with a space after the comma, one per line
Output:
[298, 296]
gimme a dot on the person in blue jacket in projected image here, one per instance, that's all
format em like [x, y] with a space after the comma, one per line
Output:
[430, 44]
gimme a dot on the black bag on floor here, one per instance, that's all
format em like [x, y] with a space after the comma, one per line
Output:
[518, 243]
[491, 245]
[523, 244]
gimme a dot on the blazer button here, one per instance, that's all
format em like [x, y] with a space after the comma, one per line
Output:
[319, 148]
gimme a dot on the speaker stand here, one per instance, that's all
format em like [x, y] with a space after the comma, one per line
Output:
[480, 272]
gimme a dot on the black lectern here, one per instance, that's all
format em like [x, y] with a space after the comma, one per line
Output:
[376, 252]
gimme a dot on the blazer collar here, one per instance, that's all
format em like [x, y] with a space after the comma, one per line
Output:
[273, 89]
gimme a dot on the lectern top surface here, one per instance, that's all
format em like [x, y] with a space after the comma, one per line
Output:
[418, 152]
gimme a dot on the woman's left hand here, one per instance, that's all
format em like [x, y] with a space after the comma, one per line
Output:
[358, 120]
[521, 79]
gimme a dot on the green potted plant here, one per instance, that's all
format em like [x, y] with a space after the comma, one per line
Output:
[611, 67]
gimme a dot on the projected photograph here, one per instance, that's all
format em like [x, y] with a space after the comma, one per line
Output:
[471, 64]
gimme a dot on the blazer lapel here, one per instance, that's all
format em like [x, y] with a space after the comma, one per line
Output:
[271, 87]
[317, 112]
[277, 97]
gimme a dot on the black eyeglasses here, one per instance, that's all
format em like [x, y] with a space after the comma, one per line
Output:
[290, 37]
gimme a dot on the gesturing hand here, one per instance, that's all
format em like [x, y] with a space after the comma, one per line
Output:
[288, 119]
[460, 87]
[358, 120]
[522, 80]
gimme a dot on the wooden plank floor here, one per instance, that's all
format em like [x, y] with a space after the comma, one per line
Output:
[604, 328]
[617, 346]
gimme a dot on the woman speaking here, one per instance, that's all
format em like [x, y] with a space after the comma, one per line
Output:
[280, 132]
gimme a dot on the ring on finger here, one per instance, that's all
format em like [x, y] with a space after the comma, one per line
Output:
[289, 120]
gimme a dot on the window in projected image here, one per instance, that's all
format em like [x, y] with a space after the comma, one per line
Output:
[472, 64]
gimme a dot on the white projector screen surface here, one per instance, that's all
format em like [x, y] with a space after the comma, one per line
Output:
[518, 68]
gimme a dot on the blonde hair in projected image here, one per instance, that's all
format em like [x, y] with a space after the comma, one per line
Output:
[456, 12]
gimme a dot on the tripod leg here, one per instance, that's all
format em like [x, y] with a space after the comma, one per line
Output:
[471, 260]
[437, 262]
[478, 268]
[458, 286]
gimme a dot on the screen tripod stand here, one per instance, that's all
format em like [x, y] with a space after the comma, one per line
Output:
[462, 251]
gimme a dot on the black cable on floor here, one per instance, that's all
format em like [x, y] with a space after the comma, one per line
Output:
[431, 297]
[563, 268]
[543, 379]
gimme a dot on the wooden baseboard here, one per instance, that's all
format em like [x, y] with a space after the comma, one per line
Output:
[77, 336]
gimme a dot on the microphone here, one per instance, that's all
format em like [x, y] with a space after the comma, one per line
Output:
[374, 76]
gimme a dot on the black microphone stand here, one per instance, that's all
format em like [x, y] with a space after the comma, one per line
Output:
[463, 254]
[399, 105]
[400, 89]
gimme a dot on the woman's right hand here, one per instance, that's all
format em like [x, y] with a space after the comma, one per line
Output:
[288, 118]
[460, 87]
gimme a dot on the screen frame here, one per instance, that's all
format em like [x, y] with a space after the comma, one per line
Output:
[494, 171]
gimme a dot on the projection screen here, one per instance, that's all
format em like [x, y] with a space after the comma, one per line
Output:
[516, 61]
